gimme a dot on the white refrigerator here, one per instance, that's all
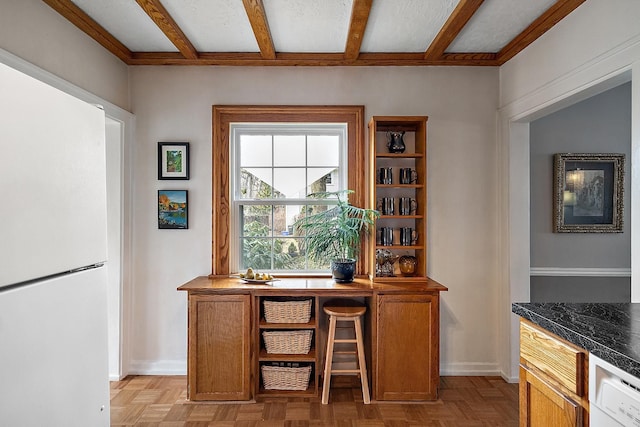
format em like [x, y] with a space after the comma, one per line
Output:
[53, 250]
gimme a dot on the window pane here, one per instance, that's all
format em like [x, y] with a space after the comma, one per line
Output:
[279, 220]
[281, 258]
[323, 150]
[322, 179]
[282, 219]
[319, 266]
[308, 210]
[289, 182]
[255, 183]
[287, 255]
[255, 150]
[292, 213]
[289, 150]
[312, 265]
[256, 253]
[256, 220]
[296, 257]
[285, 250]
[273, 166]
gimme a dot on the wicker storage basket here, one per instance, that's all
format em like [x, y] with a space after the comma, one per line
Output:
[279, 378]
[287, 311]
[287, 342]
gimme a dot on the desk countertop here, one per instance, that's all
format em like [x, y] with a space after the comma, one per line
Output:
[609, 331]
[307, 286]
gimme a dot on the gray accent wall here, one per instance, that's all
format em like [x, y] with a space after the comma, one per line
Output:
[600, 124]
[580, 289]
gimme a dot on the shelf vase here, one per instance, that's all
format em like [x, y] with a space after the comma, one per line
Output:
[395, 142]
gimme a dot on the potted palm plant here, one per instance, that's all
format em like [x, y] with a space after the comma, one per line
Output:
[335, 234]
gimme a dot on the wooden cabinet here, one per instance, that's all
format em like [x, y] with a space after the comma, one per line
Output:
[227, 348]
[553, 380]
[412, 193]
[406, 356]
[288, 361]
[219, 345]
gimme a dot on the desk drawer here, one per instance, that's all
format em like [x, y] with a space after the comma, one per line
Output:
[561, 361]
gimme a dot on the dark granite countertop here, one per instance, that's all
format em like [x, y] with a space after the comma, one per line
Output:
[609, 331]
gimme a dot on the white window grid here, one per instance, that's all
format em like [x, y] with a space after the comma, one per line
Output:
[239, 129]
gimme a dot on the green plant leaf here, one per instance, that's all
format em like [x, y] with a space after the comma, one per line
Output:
[336, 232]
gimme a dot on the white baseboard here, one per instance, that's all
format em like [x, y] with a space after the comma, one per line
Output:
[470, 370]
[510, 380]
[580, 272]
[475, 370]
[158, 367]
[179, 367]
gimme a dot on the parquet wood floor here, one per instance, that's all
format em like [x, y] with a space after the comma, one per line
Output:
[160, 401]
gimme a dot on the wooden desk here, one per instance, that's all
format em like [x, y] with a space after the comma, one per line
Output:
[226, 350]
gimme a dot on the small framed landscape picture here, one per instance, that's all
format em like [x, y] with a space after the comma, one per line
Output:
[173, 207]
[173, 160]
[588, 193]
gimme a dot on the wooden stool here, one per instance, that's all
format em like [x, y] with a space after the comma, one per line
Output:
[352, 314]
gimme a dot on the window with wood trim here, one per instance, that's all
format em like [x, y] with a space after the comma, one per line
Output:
[274, 167]
[230, 204]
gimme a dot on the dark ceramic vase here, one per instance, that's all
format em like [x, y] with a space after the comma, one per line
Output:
[343, 270]
[395, 142]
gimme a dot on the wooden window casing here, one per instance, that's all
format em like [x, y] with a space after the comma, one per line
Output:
[224, 115]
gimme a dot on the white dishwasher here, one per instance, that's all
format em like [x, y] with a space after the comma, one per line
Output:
[614, 395]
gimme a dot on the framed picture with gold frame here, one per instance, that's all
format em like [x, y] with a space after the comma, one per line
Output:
[588, 193]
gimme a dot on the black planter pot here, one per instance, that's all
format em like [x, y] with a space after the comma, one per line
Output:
[343, 270]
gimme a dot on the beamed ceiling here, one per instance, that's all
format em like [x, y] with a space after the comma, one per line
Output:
[314, 32]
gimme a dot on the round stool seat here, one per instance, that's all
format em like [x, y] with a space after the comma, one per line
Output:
[344, 311]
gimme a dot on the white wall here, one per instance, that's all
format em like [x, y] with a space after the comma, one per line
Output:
[36, 33]
[595, 48]
[174, 104]
[596, 29]
[114, 153]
